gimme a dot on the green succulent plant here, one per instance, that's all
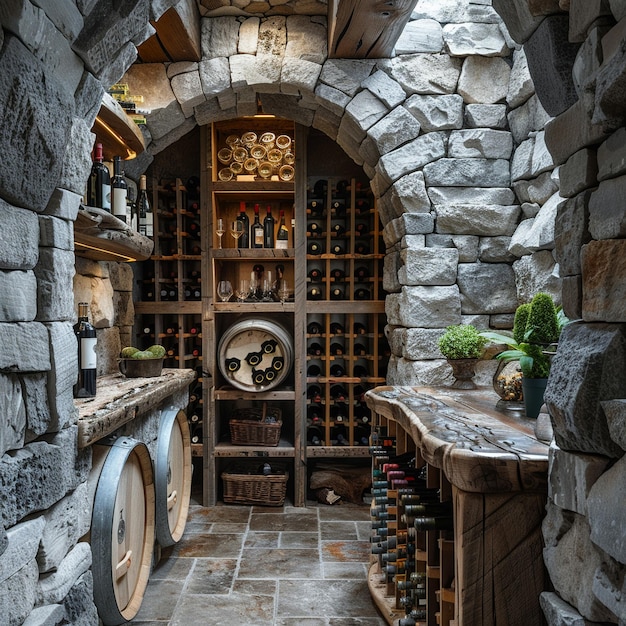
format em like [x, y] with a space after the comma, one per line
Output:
[462, 342]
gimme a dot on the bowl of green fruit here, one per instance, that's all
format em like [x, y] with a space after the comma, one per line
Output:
[135, 363]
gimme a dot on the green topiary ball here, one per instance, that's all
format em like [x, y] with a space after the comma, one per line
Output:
[542, 321]
[462, 342]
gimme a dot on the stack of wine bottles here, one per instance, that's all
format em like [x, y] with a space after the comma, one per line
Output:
[194, 412]
[407, 518]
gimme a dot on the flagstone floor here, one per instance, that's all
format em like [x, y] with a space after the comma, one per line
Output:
[265, 566]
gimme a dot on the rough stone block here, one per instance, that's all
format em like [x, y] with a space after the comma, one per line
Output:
[571, 477]
[474, 38]
[364, 110]
[421, 343]
[570, 233]
[615, 411]
[537, 233]
[487, 288]
[41, 117]
[56, 585]
[467, 245]
[611, 156]
[13, 425]
[486, 116]
[13, 338]
[411, 156]
[607, 213]
[584, 13]
[436, 113]
[19, 296]
[579, 172]
[529, 117]
[572, 294]
[107, 349]
[55, 233]
[604, 281]
[80, 609]
[456, 11]
[608, 587]
[429, 307]
[49, 615]
[587, 369]
[428, 266]
[346, 75]
[187, 88]
[403, 371]
[484, 80]
[477, 219]
[521, 83]
[471, 195]
[393, 130]
[19, 244]
[306, 39]
[54, 272]
[407, 224]
[519, 17]
[35, 394]
[495, 250]
[537, 272]
[522, 162]
[572, 560]
[605, 506]
[543, 187]
[62, 376]
[558, 612]
[387, 90]
[420, 35]
[480, 143]
[299, 75]
[77, 161]
[64, 204]
[467, 173]
[426, 73]
[120, 275]
[391, 265]
[572, 131]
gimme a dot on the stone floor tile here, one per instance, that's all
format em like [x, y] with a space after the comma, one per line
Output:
[291, 563]
[230, 610]
[338, 530]
[261, 539]
[350, 512]
[364, 530]
[229, 528]
[324, 598]
[212, 576]
[281, 521]
[301, 621]
[159, 600]
[352, 570]
[172, 568]
[346, 551]
[357, 621]
[255, 587]
[210, 544]
[290, 539]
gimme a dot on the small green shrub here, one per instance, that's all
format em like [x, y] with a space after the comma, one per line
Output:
[520, 321]
[462, 342]
[542, 325]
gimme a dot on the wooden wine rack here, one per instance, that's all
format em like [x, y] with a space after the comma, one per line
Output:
[489, 569]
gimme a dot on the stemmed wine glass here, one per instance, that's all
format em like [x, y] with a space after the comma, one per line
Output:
[224, 290]
[236, 230]
[219, 231]
[244, 290]
[283, 291]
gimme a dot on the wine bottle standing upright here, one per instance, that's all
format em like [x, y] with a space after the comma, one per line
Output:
[282, 236]
[85, 386]
[144, 209]
[119, 190]
[268, 229]
[257, 229]
[244, 240]
[99, 184]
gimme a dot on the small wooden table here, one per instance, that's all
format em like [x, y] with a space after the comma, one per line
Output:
[498, 471]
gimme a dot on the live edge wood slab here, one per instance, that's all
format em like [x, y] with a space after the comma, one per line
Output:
[119, 400]
[498, 471]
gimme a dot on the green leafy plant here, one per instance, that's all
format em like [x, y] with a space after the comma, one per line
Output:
[542, 322]
[519, 323]
[533, 362]
[462, 342]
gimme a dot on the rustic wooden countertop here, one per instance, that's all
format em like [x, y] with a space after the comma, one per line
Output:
[119, 400]
[479, 448]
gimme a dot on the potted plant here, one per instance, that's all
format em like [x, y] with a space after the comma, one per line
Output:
[537, 326]
[462, 346]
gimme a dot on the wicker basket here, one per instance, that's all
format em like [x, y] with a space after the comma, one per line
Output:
[248, 428]
[243, 484]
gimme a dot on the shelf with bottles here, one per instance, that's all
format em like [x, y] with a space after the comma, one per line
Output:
[258, 150]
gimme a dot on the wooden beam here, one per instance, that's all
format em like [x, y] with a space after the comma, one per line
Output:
[366, 29]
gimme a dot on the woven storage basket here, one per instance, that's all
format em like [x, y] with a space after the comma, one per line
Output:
[247, 427]
[243, 484]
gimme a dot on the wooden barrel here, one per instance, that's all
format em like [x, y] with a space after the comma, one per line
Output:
[255, 354]
[172, 476]
[122, 528]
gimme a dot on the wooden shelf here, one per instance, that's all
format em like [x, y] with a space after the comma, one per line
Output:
[100, 236]
[236, 394]
[118, 133]
[284, 449]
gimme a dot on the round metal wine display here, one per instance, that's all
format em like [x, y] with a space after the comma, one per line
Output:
[255, 354]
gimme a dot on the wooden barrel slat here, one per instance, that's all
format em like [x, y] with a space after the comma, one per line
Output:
[172, 478]
[122, 529]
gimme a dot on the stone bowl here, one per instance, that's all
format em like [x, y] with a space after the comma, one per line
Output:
[141, 368]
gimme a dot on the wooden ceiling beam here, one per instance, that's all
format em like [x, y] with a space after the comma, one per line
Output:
[366, 29]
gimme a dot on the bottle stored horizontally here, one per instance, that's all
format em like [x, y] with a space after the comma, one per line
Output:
[244, 240]
[119, 190]
[268, 229]
[282, 235]
[315, 293]
[99, 183]
[85, 386]
[315, 248]
[257, 229]
[144, 209]
[315, 274]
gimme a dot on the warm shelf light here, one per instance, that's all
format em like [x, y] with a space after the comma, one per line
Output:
[105, 251]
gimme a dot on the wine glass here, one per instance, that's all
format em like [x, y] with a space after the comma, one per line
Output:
[244, 290]
[219, 231]
[283, 291]
[236, 230]
[224, 290]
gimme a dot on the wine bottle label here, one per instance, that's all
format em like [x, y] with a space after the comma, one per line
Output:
[106, 196]
[282, 244]
[88, 359]
[258, 237]
[149, 225]
[119, 203]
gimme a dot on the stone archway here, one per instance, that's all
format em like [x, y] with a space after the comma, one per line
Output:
[431, 130]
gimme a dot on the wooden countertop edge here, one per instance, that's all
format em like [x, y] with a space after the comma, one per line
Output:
[511, 458]
[120, 400]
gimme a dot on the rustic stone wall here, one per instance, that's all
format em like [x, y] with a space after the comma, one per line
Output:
[582, 88]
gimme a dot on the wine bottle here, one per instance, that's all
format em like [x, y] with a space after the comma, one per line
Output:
[314, 393]
[313, 370]
[337, 249]
[314, 436]
[338, 229]
[315, 349]
[99, 183]
[362, 294]
[360, 371]
[268, 229]
[338, 413]
[444, 522]
[339, 435]
[315, 248]
[244, 240]
[359, 329]
[85, 386]
[336, 328]
[315, 274]
[257, 229]
[359, 349]
[360, 247]
[146, 226]
[314, 328]
[195, 393]
[282, 236]
[337, 371]
[361, 273]
[315, 414]
[119, 190]
[362, 435]
[315, 207]
[338, 207]
[337, 273]
[336, 348]
[336, 293]
[315, 229]
[338, 393]
[315, 293]
[361, 228]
